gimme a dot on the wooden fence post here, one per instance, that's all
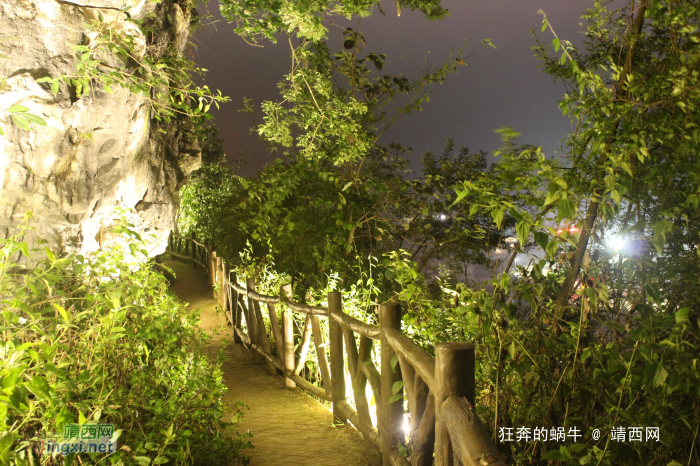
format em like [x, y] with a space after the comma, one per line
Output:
[194, 250]
[235, 310]
[305, 343]
[246, 313]
[321, 353]
[253, 323]
[288, 340]
[219, 278]
[359, 381]
[335, 340]
[256, 316]
[390, 422]
[208, 248]
[454, 376]
[223, 285]
[212, 276]
[225, 290]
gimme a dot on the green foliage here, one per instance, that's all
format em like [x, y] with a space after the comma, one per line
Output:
[591, 369]
[211, 145]
[588, 334]
[264, 18]
[22, 118]
[359, 299]
[117, 57]
[338, 194]
[101, 339]
[321, 117]
[205, 205]
[313, 217]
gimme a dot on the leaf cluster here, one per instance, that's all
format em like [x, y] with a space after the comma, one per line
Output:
[599, 326]
[265, 19]
[117, 56]
[100, 338]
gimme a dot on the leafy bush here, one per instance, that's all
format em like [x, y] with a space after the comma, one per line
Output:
[100, 338]
[601, 329]
[587, 370]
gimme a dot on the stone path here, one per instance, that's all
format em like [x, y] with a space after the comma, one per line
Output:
[289, 427]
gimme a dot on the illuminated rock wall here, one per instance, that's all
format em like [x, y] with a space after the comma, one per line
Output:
[100, 152]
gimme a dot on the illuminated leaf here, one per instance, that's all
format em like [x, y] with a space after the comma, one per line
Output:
[20, 122]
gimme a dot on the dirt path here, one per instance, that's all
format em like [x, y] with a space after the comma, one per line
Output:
[289, 428]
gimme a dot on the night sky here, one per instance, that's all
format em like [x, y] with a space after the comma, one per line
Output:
[497, 88]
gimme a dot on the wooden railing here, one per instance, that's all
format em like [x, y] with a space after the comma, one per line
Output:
[444, 427]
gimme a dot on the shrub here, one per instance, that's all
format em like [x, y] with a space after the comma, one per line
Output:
[100, 338]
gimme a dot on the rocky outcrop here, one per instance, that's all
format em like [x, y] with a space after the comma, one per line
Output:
[99, 154]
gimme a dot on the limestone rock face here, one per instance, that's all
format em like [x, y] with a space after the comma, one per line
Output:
[100, 153]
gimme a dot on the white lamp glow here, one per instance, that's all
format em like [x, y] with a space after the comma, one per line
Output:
[616, 243]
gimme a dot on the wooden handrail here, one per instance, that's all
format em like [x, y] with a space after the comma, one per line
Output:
[179, 256]
[262, 298]
[238, 288]
[306, 308]
[470, 439]
[421, 361]
[371, 433]
[367, 330]
[440, 390]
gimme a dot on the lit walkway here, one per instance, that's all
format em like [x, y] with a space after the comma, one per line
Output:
[289, 428]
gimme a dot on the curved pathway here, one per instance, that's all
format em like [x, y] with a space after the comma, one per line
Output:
[289, 427]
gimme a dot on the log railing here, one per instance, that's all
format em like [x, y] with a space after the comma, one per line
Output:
[444, 427]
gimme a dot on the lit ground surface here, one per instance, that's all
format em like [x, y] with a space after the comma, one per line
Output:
[289, 428]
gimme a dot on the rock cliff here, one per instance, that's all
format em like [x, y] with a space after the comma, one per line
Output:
[98, 153]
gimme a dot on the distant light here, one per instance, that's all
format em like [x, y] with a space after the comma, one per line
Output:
[511, 240]
[616, 243]
[406, 428]
[571, 229]
[443, 217]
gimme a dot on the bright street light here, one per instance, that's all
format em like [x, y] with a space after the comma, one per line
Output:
[615, 243]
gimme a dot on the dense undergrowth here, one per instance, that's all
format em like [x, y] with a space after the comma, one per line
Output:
[597, 334]
[101, 339]
[588, 370]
